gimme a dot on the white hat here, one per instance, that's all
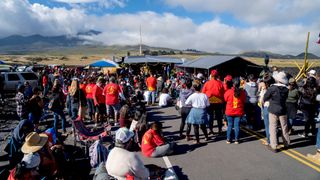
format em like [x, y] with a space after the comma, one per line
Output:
[280, 77]
[199, 75]
[312, 72]
[123, 135]
[31, 160]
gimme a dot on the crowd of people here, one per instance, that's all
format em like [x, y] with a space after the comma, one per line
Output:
[107, 99]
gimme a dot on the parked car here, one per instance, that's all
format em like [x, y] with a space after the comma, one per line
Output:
[13, 79]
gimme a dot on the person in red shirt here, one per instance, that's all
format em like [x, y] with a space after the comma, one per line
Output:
[151, 83]
[227, 84]
[153, 143]
[89, 96]
[235, 99]
[215, 91]
[112, 92]
[99, 100]
[45, 84]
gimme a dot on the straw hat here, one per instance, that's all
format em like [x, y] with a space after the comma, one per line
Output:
[34, 142]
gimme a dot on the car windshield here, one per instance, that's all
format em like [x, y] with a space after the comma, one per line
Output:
[29, 76]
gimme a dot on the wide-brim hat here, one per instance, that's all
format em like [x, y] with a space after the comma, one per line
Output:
[34, 142]
[280, 77]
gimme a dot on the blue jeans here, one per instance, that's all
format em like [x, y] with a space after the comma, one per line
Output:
[233, 122]
[56, 114]
[74, 111]
[266, 123]
[153, 97]
[318, 139]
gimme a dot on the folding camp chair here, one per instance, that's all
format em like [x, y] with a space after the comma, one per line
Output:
[86, 136]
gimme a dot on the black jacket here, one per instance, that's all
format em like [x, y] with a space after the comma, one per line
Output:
[277, 95]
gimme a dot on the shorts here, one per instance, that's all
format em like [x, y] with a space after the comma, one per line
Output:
[101, 109]
[116, 108]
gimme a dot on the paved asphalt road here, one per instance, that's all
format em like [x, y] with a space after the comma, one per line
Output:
[250, 159]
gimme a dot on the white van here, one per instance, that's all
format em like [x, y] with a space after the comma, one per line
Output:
[13, 79]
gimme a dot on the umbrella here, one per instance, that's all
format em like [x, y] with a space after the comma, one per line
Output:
[104, 63]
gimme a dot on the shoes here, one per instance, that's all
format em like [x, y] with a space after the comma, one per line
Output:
[291, 131]
[265, 143]
[207, 139]
[273, 150]
[228, 142]
[196, 142]
[188, 138]
[236, 142]
[314, 156]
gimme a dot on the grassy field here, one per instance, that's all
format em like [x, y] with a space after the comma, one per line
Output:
[85, 56]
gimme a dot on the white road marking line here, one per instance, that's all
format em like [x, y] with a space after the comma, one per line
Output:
[167, 161]
[170, 168]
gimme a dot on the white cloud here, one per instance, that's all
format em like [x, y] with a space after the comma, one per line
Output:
[166, 30]
[254, 12]
[100, 3]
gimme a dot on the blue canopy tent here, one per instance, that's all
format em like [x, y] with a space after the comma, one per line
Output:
[104, 63]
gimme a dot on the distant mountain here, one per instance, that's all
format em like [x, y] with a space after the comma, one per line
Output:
[310, 56]
[17, 44]
[262, 54]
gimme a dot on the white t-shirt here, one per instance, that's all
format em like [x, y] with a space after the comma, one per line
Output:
[163, 99]
[198, 100]
[120, 162]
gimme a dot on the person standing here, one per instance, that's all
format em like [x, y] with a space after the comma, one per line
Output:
[185, 109]
[112, 92]
[292, 103]
[198, 115]
[214, 90]
[308, 106]
[89, 96]
[235, 99]
[99, 101]
[77, 99]
[252, 113]
[21, 102]
[277, 95]
[151, 83]
[57, 108]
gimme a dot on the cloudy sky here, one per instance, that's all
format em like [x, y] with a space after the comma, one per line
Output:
[228, 26]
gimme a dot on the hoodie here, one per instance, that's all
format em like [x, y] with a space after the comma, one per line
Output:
[251, 89]
[184, 94]
[277, 95]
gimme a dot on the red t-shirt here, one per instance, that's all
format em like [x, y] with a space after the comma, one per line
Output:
[98, 96]
[235, 106]
[214, 90]
[89, 91]
[112, 91]
[44, 80]
[150, 141]
[151, 83]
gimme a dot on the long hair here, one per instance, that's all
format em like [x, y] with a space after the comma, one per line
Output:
[74, 87]
[236, 85]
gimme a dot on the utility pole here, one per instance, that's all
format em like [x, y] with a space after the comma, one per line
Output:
[140, 41]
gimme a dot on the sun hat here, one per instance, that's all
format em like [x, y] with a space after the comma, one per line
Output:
[34, 142]
[281, 77]
[199, 75]
[31, 160]
[123, 135]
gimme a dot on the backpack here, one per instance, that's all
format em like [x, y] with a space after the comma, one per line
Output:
[98, 153]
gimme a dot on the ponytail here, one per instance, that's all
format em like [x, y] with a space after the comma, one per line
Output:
[236, 85]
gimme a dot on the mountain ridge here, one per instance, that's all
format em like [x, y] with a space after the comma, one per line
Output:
[17, 44]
